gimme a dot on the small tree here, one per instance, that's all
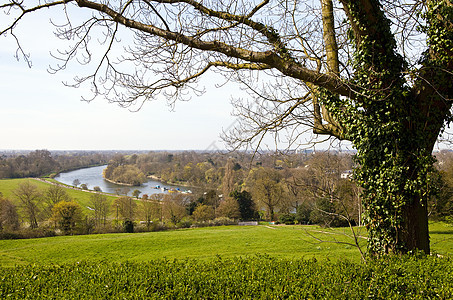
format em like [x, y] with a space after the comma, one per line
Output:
[267, 190]
[246, 205]
[9, 219]
[76, 182]
[203, 213]
[29, 198]
[230, 208]
[126, 207]
[100, 205]
[53, 195]
[136, 193]
[67, 214]
[151, 209]
[173, 208]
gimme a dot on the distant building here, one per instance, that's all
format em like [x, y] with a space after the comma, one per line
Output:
[346, 174]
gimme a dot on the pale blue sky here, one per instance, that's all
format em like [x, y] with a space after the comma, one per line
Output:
[39, 112]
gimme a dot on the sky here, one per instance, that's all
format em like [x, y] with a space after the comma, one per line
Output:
[39, 112]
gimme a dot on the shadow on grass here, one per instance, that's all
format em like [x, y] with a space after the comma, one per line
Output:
[441, 232]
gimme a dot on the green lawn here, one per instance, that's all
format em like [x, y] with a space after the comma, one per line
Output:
[199, 243]
[290, 242]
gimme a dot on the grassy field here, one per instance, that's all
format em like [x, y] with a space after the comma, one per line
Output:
[199, 243]
[7, 187]
[226, 262]
[202, 243]
[289, 242]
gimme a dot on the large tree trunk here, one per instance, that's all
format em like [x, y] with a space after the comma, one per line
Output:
[415, 234]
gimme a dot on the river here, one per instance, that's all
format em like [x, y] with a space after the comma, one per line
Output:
[93, 177]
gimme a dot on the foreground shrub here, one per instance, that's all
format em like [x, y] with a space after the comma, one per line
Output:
[27, 233]
[240, 278]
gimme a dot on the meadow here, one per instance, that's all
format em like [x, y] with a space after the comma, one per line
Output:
[226, 262]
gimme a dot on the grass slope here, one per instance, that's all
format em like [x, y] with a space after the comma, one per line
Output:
[200, 243]
[289, 242]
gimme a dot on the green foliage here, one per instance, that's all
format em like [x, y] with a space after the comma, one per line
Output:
[203, 213]
[128, 226]
[246, 205]
[259, 277]
[287, 219]
[67, 214]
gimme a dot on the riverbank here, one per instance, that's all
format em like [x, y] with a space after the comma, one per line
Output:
[182, 184]
[119, 183]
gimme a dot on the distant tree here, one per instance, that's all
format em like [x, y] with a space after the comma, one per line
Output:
[303, 212]
[203, 213]
[52, 196]
[128, 226]
[267, 191]
[56, 193]
[228, 180]
[97, 189]
[126, 207]
[136, 193]
[151, 209]
[125, 190]
[84, 186]
[174, 207]
[441, 205]
[100, 205]
[67, 214]
[128, 174]
[41, 162]
[246, 205]
[229, 208]
[9, 219]
[76, 182]
[29, 198]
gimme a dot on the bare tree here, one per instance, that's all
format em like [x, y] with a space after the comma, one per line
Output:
[53, 195]
[151, 209]
[267, 191]
[9, 219]
[126, 208]
[173, 207]
[100, 205]
[29, 198]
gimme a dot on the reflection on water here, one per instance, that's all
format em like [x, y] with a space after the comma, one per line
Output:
[93, 177]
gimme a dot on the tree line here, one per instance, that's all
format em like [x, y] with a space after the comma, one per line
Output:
[42, 162]
[313, 188]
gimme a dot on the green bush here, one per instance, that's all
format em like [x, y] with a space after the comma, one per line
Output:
[27, 233]
[288, 219]
[259, 277]
[128, 226]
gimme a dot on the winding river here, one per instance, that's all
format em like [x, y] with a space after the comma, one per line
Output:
[93, 177]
